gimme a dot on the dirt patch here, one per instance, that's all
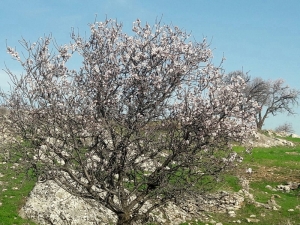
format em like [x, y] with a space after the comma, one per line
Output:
[269, 174]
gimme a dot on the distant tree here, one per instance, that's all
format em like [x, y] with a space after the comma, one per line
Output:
[285, 128]
[273, 96]
[146, 120]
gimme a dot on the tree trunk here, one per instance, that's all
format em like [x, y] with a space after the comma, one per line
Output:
[260, 120]
[123, 219]
[259, 125]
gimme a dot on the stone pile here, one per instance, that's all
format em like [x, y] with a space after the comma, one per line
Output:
[285, 187]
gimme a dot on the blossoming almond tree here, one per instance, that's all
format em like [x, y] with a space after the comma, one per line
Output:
[146, 120]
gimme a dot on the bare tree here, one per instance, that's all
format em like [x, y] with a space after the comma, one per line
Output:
[279, 98]
[146, 119]
[286, 128]
[273, 96]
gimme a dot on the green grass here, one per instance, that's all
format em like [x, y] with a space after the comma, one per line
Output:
[13, 191]
[297, 140]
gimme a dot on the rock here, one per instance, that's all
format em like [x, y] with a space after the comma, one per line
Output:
[291, 210]
[293, 185]
[284, 188]
[268, 140]
[251, 220]
[48, 203]
[231, 214]
[249, 170]
[271, 188]
[273, 203]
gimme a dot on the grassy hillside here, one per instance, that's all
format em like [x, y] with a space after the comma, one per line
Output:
[271, 166]
[14, 188]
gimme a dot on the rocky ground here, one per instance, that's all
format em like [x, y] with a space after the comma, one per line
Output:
[50, 204]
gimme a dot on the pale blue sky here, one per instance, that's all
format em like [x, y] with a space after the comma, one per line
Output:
[260, 36]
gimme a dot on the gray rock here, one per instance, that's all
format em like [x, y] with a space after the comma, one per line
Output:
[48, 202]
[252, 220]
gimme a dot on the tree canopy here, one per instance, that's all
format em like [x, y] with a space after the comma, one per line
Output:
[146, 120]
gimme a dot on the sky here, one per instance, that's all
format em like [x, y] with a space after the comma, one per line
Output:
[259, 37]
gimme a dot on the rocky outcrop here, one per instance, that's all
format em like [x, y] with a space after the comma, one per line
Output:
[50, 204]
[269, 139]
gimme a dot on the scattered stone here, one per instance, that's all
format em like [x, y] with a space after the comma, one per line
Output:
[219, 223]
[284, 188]
[231, 214]
[249, 170]
[252, 216]
[251, 220]
[271, 188]
[291, 210]
[273, 203]
[244, 183]
[288, 187]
